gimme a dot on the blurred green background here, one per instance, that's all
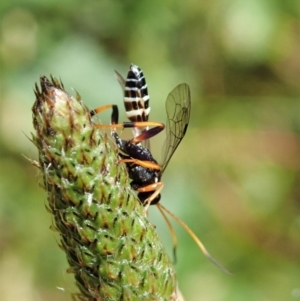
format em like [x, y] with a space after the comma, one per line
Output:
[234, 179]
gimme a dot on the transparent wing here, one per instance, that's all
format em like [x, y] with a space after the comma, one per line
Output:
[146, 144]
[120, 79]
[178, 107]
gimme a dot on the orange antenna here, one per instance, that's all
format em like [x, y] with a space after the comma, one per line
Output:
[172, 231]
[195, 238]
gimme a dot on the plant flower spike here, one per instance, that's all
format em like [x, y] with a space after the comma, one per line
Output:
[112, 248]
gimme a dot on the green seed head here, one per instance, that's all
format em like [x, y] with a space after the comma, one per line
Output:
[112, 248]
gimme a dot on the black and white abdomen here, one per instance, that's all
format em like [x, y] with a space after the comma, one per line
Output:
[136, 97]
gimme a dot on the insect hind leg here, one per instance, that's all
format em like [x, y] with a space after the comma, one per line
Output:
[195, 238]
[114, 119]
[148, 133]
[114, 115]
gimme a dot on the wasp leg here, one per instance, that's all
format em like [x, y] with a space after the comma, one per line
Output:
[156, 187]
[195, 238]
[131, 124]
[128, 124]
[114, 116]
[147, 134]
[171, 229]
[146, 164]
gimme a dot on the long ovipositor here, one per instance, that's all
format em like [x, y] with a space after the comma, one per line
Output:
[112, 248]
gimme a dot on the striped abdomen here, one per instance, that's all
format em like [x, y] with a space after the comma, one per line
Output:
[136, 98]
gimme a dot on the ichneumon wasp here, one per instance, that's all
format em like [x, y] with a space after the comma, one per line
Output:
[143, 169]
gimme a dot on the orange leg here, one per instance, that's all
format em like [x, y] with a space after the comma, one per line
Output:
[149, 133]
[195, 238]
[114, 116]
[146, 164]
[101, 109]
[157, 127]
[171, 229]
[130, 124]
[156, 187]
